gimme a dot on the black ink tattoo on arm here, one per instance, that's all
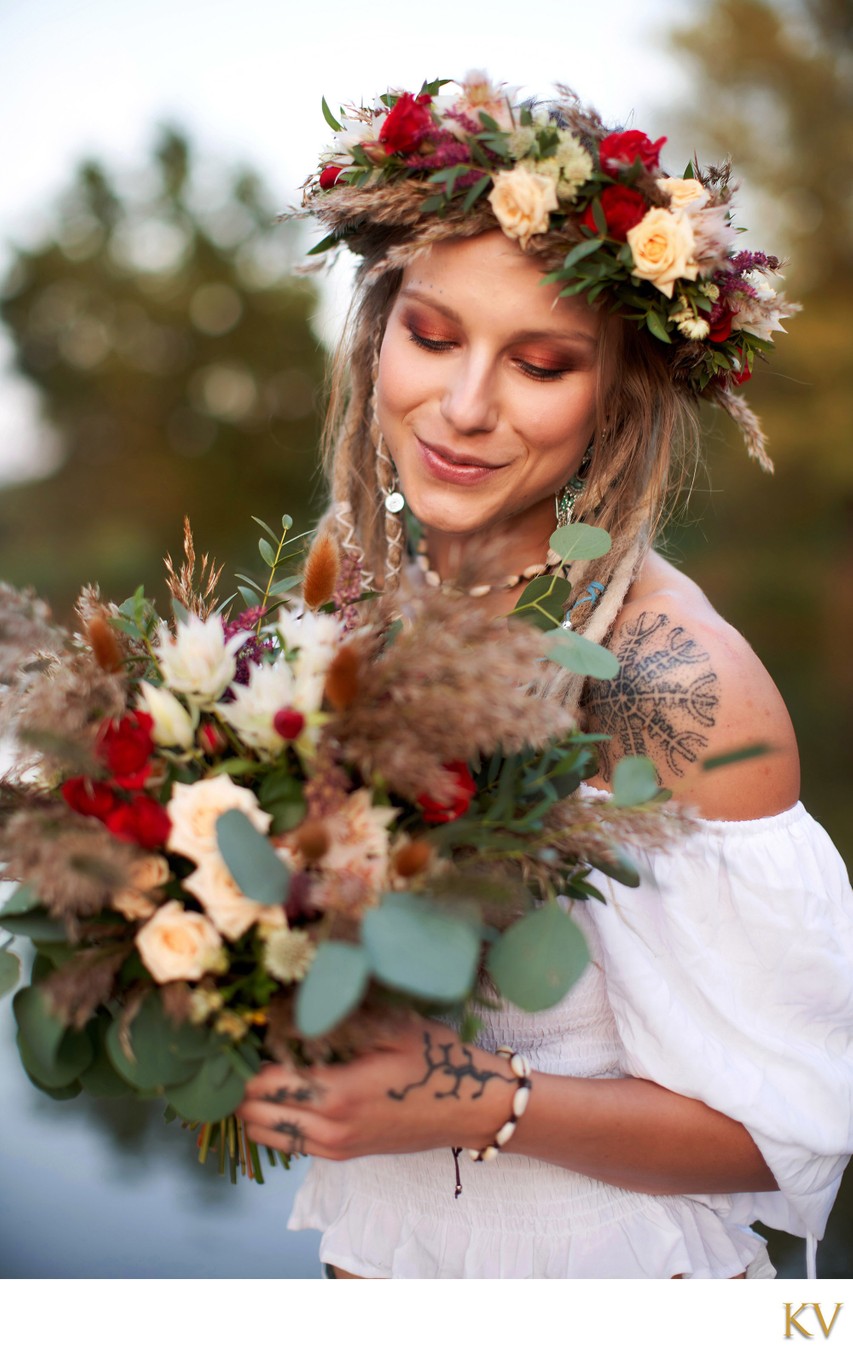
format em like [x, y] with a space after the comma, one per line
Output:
[664, 695]
[439, 1062]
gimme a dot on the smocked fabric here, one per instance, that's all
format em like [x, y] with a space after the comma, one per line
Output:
[728, 977]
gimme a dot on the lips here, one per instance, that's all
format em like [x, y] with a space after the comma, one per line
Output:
[451, 466]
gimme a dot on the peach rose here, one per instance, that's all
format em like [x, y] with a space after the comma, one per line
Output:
[663, 247]
[194, 810]
[682, 192]
[224, 902]
[145, 874]
[177, 944]
[522, 201]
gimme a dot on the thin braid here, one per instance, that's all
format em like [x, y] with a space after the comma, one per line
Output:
[395, 536]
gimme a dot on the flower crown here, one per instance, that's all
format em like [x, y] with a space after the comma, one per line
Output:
[659, 250]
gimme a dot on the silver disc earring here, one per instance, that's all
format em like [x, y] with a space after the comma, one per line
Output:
[391, 495]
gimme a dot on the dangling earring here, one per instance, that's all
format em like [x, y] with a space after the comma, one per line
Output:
[564, 500]
[392, 497]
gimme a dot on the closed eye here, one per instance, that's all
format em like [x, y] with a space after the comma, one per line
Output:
[536, 371]
[429, 342]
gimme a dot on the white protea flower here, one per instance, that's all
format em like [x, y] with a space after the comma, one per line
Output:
[253, 710]
[173, 726]
[194, 809]
[199, 663]
[309, 632]
[762, 315]
[288, 953]
[694, 328]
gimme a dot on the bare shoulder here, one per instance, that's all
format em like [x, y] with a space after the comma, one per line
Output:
[690, 688]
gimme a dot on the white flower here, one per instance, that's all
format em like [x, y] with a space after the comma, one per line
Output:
[354, 132]
[713, 235]
[177, 944]
[288, 953]
[663, 247]
[520, 141]
[203, 1002]
[199, 662]
[145, 874]
[522, 201]
[224, 903]
[314, 635]
[575, 165]
[682, 192]
[694, 328]
[194, 810]
[173, 727]
[762, 315]
[254, 707]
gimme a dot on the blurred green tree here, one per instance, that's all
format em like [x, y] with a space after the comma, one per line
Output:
[172, 350]
[773, 83]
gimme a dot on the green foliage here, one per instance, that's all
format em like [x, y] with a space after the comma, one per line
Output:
[535, 962]
[544, 602]
[250, 858]
[10, 971]
[580, 541]
[162, 1053]
[211, 1094]
[578, 654]
[416, 947]
[635, 782]
[333, 987]
[53, 1055]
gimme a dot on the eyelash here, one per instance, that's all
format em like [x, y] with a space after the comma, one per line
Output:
[532, 371]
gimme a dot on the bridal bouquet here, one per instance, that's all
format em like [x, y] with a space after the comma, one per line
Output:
[263, 832]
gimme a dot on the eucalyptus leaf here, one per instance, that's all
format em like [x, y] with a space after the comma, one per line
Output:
[163, 1053]
[285, 584]
[100, 1078]
[543, 602]
[21, 900]
[619, 867]
[266, 552]
[72, 1056]
[580, 655]
[264, 526]
[10, 971]
[250, 858]
[39, 1025]
[212, 1093]
[535, 962]
[634, 781]
[333, 987]
[579, 541]
[415, 947]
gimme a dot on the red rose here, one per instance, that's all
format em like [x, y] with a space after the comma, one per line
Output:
[720, 323]
[619, 151]
[142, 820]
[622, 207]
[94, 798]
[434, 811]
[407, 124]
[329, 176]
[124, 747]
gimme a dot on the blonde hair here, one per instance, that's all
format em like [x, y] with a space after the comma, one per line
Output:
[646, 438]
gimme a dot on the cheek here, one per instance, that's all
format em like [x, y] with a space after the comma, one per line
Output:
[560, 417]
[400, 386]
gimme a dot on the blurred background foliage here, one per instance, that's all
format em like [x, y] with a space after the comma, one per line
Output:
[173, 352]
[172, 349]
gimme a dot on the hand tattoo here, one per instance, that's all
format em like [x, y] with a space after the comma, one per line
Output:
[305, 1094]
[296, 1134]
[666, 691]
[457, 1071]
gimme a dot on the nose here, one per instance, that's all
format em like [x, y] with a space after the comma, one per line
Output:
[470, 399]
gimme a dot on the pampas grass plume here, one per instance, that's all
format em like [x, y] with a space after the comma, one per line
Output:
[322, 568]
[342, 678]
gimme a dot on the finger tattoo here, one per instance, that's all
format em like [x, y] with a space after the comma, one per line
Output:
[296, 1134]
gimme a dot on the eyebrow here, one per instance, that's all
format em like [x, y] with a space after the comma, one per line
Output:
[538, 334]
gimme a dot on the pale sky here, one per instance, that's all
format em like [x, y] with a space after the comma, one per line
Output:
[83, 78]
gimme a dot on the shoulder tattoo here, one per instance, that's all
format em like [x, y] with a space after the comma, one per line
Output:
[661, 702]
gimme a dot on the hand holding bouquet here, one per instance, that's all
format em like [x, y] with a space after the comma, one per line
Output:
[276, 833]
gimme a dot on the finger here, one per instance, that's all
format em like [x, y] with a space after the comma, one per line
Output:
[279, 1084]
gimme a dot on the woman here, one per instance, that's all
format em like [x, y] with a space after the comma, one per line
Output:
[538, 309]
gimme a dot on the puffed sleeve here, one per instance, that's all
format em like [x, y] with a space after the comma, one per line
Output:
[730, 973]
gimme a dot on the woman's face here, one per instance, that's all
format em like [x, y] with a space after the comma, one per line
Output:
[487, 389]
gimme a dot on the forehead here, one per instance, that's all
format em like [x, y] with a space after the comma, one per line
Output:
[489, 277]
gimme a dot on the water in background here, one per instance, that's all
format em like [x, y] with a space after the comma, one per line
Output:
[108, 1190]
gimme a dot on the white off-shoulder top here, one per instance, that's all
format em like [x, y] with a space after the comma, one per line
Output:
[728, 977]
